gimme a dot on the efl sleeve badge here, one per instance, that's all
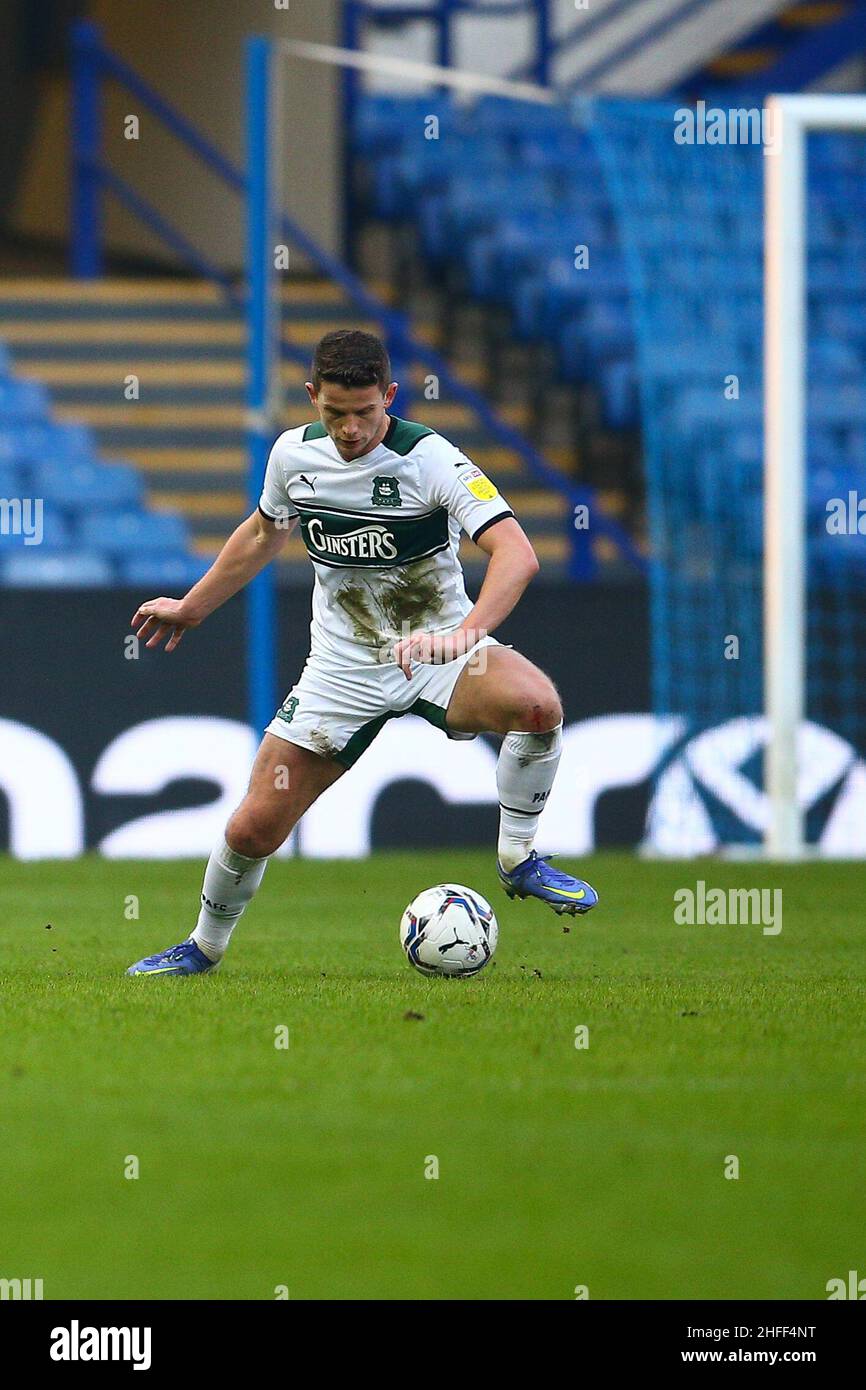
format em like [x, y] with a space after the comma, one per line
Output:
[480, 485]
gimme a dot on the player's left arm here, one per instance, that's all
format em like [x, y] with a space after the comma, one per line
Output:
[513, 563]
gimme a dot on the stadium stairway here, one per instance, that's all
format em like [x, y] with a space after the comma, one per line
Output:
[184, 433]
[792, 48]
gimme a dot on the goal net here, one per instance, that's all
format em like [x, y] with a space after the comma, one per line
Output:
[742, 234]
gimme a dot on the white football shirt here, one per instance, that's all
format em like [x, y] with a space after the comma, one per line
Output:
[382, 531]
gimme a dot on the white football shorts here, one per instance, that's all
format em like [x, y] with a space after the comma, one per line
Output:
[337, 710]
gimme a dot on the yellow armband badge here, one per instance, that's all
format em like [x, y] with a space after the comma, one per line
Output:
[480, 485]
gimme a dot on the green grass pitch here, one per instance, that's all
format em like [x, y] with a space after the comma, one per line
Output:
[304, 1167]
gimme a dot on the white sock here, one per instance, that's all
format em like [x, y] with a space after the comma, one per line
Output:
[524, 776]
[230, 882]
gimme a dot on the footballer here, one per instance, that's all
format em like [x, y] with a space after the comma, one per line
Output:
[381, 503]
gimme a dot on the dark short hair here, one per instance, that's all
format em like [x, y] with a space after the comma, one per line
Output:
[351, 358]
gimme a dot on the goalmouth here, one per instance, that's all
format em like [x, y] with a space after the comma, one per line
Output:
[785, 304]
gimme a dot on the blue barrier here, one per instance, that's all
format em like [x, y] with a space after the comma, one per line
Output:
[263, 329]
[86, 144]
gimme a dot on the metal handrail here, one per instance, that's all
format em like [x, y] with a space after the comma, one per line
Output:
[629, 47]
[442, 13]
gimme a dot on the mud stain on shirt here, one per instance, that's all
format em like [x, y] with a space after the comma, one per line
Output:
[411, 597]
[402, 600]
[355, 600]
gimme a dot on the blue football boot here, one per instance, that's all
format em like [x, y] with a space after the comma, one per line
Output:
[185, 959]
[535, 878]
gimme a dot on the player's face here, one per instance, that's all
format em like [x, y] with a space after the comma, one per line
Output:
[353, 416]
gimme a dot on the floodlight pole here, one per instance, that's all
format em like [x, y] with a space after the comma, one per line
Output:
[263, 361]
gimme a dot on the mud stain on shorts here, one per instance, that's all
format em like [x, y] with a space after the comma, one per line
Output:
[322, 744]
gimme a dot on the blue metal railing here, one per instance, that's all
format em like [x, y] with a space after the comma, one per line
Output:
[263, 332]
[93, 63]
[547, 47]
[638, 41]
[593, 24]
[581, 31]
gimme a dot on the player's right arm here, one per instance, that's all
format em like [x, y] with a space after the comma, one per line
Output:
[248, 549]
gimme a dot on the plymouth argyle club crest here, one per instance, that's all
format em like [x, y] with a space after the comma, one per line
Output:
[386, 492]
[287, 709]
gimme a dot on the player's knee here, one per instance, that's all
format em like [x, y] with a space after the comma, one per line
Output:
[253, 833]
[536, 707]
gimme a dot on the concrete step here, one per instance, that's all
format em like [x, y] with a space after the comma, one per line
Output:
[186, 432]
[63, 365]
[117, 413]
[47, 291]
[178, 465]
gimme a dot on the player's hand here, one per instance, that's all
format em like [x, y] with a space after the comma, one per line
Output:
[160, 618]
[432, 648]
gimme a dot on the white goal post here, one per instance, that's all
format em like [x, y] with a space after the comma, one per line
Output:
[791, 120]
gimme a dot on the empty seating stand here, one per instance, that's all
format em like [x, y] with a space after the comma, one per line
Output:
[70, 517]
[506, 195]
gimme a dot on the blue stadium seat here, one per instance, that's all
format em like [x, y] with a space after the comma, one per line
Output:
[603, 330]
[832, 556]
[168, 571]
[469, 205]
[72, 568]
[836, 404]
[833, 358]
[511, 190]
[51, 527]
[398, 179]
[382, 120]
[503, 117]
[126, 533]
[619, 394]
[69, 518]
[83, 484]
[22, 401]
[12, 480]
[10, 446]
[72, 440]
[38, 441]
[825, 481]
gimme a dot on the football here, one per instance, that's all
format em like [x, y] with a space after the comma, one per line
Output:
[449, 930]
